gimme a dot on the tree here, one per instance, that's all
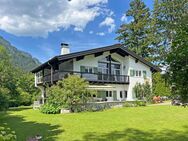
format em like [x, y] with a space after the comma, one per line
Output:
[165, 17]
[143, 91]
[16, 86]
[4, 98]
[75, 91]
[68, 93]
[160, 87]
[178, 60]
[134, 35]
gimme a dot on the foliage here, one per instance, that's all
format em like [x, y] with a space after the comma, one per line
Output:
[134, 103]
[143, 91]
[160, 86]
[6, 134]
[165, 17]
[134, 35]
[16, 86]
[68, 94]
[178, 60]
[19, 58]
[4, 98]
[74, 90]
[50, 109]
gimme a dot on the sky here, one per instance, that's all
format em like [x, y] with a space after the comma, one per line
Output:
[40, 26]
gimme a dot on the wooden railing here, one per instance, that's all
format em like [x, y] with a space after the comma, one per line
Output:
[91, 77]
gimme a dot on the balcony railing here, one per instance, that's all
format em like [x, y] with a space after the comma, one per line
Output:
[91, 77]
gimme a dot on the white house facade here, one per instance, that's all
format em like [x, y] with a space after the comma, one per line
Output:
[112, 71]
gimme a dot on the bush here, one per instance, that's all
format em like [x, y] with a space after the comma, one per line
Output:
[160, 86]
[50, 109]
[4, 99]
[134, 103]
[7, 135]
[143, 91]
[66, 94]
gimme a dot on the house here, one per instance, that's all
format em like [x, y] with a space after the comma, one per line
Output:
[112, 70]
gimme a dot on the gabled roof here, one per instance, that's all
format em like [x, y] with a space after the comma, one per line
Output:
[118, 48]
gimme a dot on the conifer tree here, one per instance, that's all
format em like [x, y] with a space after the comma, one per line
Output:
[134, 35]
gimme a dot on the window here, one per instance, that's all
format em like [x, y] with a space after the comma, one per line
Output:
[105, 64]
[144, 74]
[136, 72]
[140, 73]
[86, 69]
[108, 93]
[125, 93]
[121, 95]
[132, 72]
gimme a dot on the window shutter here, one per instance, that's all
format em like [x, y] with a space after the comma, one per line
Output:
[132, 72]
[82, 68]
[144, 74]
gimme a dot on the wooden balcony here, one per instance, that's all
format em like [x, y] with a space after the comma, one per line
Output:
[91, 77]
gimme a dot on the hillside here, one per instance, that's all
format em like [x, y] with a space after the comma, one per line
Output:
[19, 58]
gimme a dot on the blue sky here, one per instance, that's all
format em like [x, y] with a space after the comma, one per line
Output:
[39, 26]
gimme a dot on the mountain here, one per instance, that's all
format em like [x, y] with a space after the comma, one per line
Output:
[19, 58]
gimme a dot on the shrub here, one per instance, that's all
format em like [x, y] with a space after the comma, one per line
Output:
[134, 103]
[160, 87]
[50, 109]
[4, 99]
[69, 93]
[143, 91]
[7, 135]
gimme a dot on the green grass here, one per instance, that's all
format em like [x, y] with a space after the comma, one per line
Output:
[154, 123]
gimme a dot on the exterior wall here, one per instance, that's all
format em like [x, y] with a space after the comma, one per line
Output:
[137, 79]
[114, 87]
[92, 61]
[127, 63]
[68, 66]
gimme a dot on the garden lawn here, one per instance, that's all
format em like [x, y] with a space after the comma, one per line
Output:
[153, 123]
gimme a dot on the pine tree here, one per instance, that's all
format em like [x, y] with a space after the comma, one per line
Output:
[134, 35]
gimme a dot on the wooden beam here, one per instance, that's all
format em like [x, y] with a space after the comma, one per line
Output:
[122, 53]
[98, 54]
[79, 58]
[113, 50]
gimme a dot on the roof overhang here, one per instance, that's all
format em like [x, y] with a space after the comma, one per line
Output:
[117, 48]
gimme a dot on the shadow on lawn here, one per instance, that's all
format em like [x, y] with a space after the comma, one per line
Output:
[25, 129]
[131, 134]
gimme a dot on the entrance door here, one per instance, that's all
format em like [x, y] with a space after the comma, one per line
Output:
[109, 96]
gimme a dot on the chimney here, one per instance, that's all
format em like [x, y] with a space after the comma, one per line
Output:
[65, 48]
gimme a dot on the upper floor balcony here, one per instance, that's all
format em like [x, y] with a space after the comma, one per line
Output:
[91, 77]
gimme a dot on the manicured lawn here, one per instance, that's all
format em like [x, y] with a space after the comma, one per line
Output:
[154, 123]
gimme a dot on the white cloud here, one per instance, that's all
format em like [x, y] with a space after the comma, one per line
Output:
[39, 17]
[91, 32]
[124, 18]
[110, 23]
[100, 33]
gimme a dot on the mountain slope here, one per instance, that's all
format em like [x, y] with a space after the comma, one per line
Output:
[19, 58]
